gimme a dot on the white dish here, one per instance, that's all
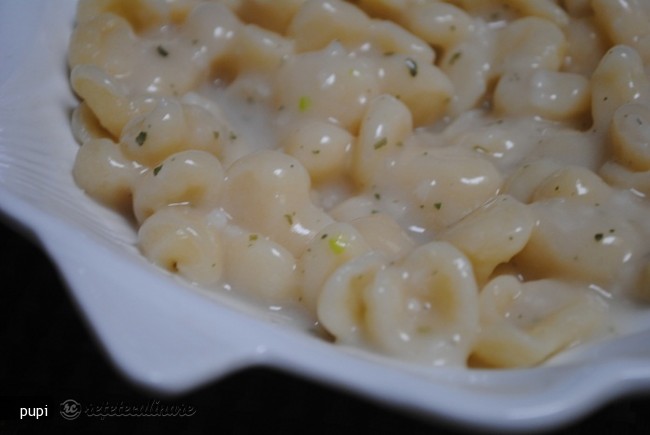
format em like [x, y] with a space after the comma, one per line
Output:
[170, 337]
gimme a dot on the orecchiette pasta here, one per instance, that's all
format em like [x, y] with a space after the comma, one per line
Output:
[447, 182]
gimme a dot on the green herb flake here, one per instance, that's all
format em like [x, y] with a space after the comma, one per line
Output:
[289, 218]
[162, 51]
[304, 103]
[215, 134]
[141, 138]
[157, 169]
[412, 66]
[233, 136]
[381, 143]
[315, 152]
[377, 196]
[252, 237]
[455, 57]
[598, 237]
[438, 205]
[338, 245]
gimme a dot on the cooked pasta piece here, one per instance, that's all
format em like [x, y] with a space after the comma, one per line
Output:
[447, 182]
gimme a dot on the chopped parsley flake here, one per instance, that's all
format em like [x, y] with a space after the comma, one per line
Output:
[161, 51]
[141, 138]
[157, 169]
[412, 66]
[598, 237]
[438, 205]
[233, 136]
[380, 143]
[252, 237]
[289, 218]
[455, 57]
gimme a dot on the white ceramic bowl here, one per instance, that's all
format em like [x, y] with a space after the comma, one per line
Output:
[171, 337]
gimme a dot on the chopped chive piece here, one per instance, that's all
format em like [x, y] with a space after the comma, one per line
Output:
[338, 245]
[157, 169]
[455, 57]
[304, 103]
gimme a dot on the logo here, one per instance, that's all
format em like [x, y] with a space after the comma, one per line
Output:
[70, 409]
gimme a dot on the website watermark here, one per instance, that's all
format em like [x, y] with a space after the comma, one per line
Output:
[70, 409]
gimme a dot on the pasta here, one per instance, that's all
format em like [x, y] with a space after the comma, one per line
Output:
[445, 182]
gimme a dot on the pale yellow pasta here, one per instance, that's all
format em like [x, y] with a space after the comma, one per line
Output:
[622, 177]
[384, 235]
[85, 125]
[438, 23]
[194, 178]
[577, 241]
[469, 65]
[328, 85]
[625, 22]
[447, 184]
[319, 22]
[276, 186]
[492, 234]
[182, 240]
[620, 78]
[261, 50]
[212, 29]
[171, 126]
[391, 38]
[384, 128]
[342, 303]
[106, 98]
[323, 148]
[630, 133]
[106, 41]
[549, 94]
[530, 43]
[273, 15]
[522, 324]
[503, 141]
[103, 172]
[334, 246]
[458, 182]
[526, 179]
[585, 46]
[422, 87]
[260, 267]
[424, 309]
[142, 14]
[575, 182]
[547, 9]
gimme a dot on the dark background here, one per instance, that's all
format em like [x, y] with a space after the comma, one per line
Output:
[48, 355]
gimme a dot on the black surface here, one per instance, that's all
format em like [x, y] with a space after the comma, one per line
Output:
[48, 355]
